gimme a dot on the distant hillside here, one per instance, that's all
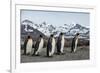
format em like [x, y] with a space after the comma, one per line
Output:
[29, 27]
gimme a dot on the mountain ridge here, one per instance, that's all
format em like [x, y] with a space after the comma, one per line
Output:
[47, 29]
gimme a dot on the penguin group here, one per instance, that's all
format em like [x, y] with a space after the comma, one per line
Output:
[51, 45]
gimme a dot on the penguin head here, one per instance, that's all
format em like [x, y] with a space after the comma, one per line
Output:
[77, 34]
[61, 33]
[51, 35]
[28, 36]
[41, 36]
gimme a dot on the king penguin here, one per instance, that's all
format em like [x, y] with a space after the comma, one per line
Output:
[51, 46]
[39, 45]
[60, 44]
[74, 43]
[28, 44]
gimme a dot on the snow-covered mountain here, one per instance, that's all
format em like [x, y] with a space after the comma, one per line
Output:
[44, 28]
[27, 28]
[47, 29]
[78, 29]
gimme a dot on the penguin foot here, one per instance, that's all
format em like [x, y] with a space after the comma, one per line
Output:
[28, 54]
[73, 52]
[33, 54]
[58, 53]
[24, 54]
[37, 55]
[62, 53]
[50, 56]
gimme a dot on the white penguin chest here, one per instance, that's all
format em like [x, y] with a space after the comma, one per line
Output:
[62, 41]
[41, 43]
[53, 42]
[29, 46]
[30, 42]
[76, 41]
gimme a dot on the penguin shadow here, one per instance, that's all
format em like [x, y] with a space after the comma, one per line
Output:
[35, 55]
[48, 56]
[60, 53]
[54, 55]
[40, 55]
[80, 49]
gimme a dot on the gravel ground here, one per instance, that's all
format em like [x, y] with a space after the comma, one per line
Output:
[82, 53]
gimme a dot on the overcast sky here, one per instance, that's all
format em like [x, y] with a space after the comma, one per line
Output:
[56, 18]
